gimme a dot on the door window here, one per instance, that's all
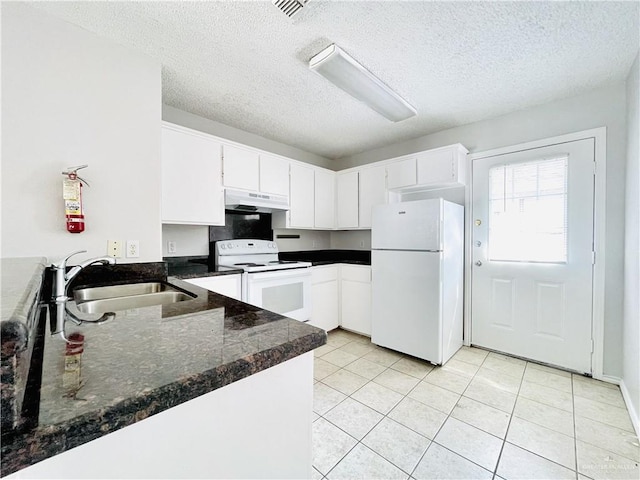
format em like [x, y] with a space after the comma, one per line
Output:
[528, 211]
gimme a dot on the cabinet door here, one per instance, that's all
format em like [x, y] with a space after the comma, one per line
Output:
[241, 168]
[437, 167]
[373, 191]
[274, 175]
[301, 197]
[356, 306]
[229, 285]
[325, 199]
[347, 200]
[191, 178]
[325, 312]
[401, 174]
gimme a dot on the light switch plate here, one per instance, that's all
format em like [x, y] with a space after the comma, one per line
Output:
[114, 248]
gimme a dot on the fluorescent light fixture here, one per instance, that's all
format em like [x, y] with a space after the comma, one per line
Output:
[338, 67]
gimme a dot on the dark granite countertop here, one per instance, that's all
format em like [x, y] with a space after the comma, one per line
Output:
[328, 257]
[147, 360]
[21, 282]
[195, 267]
[20, 316]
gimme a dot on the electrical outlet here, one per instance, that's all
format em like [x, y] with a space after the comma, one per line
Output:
[171, 247]
[313, 244]
[362, 243]
[133, 248]
[114, 248]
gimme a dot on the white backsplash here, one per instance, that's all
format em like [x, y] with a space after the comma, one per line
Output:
[351, 240]
[190, 240]
[309, 240]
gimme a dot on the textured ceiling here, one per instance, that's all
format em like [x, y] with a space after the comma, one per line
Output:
[244, 64]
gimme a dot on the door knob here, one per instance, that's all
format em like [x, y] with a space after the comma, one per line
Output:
[479, 263]
[478, 222]
[478, 243]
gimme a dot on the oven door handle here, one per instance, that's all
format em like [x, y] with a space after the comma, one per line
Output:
[281, 274]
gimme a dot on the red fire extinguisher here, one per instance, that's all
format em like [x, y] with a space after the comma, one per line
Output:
[72, 193]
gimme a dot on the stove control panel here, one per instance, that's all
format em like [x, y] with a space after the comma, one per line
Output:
[245, 247]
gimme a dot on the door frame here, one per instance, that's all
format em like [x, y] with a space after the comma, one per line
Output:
[599, 136]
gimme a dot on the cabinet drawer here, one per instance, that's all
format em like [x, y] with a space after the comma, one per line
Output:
[324, 274]
[356, 273]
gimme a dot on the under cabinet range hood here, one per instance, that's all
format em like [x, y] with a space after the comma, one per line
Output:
[243, 201]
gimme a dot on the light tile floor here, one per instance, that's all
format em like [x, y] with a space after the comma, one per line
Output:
[381, 414]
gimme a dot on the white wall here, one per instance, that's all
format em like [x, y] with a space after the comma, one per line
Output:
[69, 98]
[631, 327]
[602, 107]
[189, 120]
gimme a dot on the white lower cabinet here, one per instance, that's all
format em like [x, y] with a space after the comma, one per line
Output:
[325, 306]
[229, 285]
[355, 298]
[341, 296]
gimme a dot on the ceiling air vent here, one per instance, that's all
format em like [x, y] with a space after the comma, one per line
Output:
[290, 7]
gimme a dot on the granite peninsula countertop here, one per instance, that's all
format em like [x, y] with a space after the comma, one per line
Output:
[147, 360]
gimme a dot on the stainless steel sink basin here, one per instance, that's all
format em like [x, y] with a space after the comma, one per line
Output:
[123, 297]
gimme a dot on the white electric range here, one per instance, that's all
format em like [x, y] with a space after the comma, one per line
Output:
[281, 286]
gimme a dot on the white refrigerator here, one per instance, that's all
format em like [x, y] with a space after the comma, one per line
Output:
[417, 278]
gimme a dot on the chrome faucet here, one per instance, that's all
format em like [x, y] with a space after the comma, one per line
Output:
[63, 278]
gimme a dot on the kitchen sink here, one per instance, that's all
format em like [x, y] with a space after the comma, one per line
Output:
[123, 297]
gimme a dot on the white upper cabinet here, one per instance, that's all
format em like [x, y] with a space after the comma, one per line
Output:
[347, 199]
[325, 199]
[241, 168]
[191, 178]
[373, 191]
[401, 174]
[301, 197]
[442, 167]
[274, 175]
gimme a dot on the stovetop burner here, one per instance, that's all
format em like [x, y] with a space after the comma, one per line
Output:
[252, 256]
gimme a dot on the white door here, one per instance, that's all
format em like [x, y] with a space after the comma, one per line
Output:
[532, 253]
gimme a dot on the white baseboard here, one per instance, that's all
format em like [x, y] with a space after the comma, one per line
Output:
[630, 407]
[608, 379]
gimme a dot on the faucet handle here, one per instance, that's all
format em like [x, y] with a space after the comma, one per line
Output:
[63, 263]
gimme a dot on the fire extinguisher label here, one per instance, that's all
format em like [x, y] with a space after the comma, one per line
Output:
[71, 189]
[72, 207]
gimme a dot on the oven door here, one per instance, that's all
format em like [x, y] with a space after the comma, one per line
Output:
[287, 292]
